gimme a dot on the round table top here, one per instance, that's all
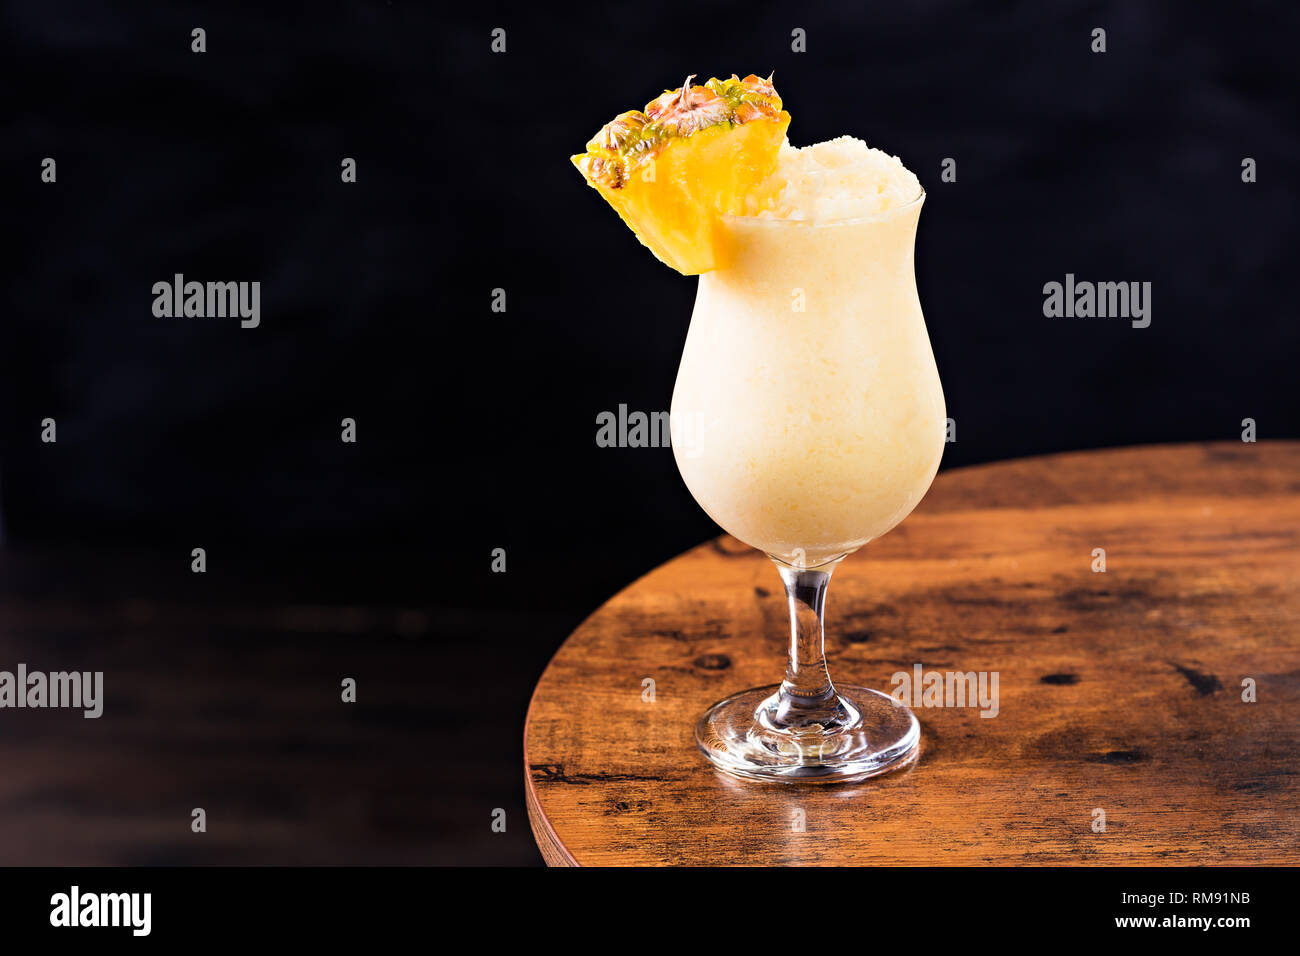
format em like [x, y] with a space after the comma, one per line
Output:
[1124, 732]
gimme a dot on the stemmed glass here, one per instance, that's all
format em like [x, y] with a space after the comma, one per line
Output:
[808, 419]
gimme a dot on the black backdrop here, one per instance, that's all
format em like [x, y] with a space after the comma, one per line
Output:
[476, 429]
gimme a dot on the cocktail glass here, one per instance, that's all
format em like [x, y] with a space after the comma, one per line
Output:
[808, 419]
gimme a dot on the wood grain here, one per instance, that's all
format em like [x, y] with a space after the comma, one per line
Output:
[1119, 690]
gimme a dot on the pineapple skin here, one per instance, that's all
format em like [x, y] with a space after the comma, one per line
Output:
[693, 155]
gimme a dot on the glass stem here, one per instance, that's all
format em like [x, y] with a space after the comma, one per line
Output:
[807, 700]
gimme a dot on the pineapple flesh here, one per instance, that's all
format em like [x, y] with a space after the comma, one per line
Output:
[691, 156]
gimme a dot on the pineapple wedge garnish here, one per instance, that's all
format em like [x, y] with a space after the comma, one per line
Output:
[693, 155]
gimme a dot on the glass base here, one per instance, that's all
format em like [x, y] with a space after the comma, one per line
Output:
[877, 734]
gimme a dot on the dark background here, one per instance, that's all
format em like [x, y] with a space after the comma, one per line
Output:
[476, 429]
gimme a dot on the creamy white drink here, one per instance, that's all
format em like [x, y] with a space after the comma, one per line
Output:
[815, 409]
[808, 418]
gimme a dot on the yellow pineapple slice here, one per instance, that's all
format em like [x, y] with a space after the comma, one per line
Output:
[693, 155]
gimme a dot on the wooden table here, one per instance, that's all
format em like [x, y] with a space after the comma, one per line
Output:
[1120, 691]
